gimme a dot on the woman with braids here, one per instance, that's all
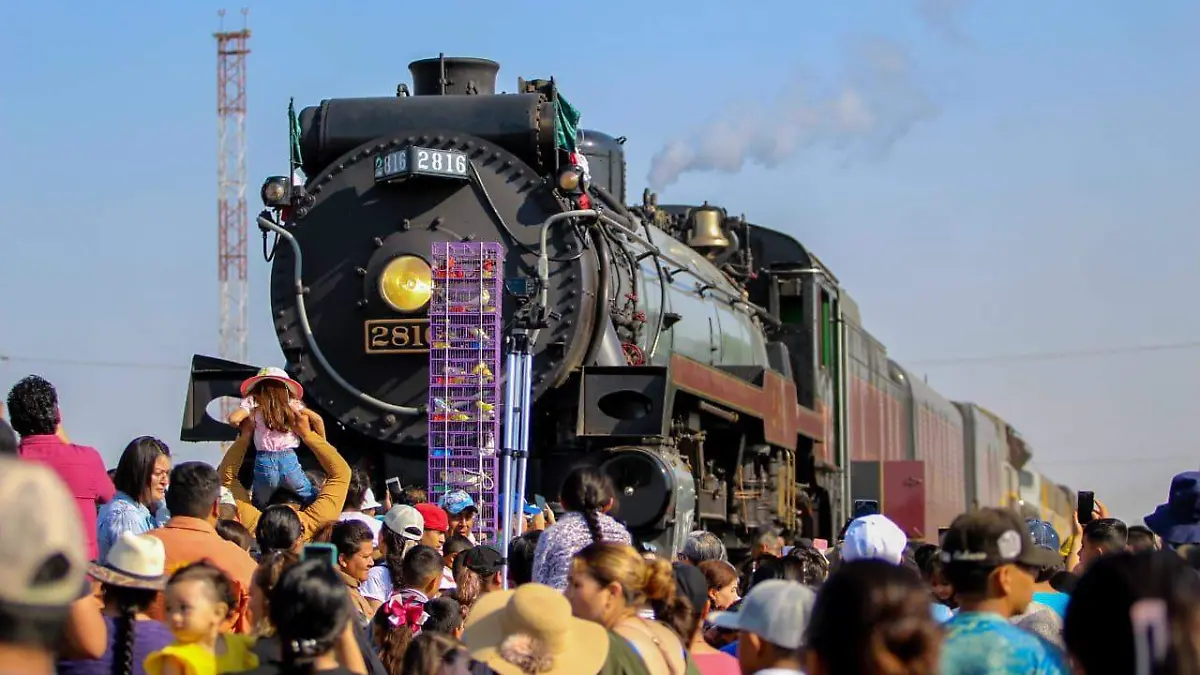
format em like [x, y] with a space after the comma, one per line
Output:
[403, 616]
[130, 579]
[587, 497]
[312, 616]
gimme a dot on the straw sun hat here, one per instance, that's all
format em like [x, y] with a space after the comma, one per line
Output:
[531, 630]
[134, 561]
[277, 374]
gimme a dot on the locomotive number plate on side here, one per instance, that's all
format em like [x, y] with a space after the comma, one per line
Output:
[396, 336]
[418, 161]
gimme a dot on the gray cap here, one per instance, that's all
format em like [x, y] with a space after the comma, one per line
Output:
[776, 611]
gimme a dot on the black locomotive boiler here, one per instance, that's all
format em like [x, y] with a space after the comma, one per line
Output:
[675, 346]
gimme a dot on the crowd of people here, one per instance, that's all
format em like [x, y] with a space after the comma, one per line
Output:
[170, 568]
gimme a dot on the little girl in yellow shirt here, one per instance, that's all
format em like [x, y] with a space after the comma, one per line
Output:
[199, 599]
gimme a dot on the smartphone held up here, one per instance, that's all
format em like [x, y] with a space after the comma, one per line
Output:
[1086, 506]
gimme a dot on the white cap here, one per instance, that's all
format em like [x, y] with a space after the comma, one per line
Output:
[369, 501]
[874, 537]
[405, 521]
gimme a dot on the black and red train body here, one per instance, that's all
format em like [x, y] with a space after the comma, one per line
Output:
[713, 367]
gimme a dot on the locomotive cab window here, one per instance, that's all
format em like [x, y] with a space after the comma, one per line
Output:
[828, 344]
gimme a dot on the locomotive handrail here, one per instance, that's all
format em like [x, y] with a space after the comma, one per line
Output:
[305, 327]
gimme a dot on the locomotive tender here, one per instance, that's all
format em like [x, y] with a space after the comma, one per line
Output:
[714, 368]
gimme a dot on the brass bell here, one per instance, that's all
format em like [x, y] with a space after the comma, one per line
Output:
[706, 228]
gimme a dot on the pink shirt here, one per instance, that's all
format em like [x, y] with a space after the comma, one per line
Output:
[266, 439]
[81, 468]
[716, 664]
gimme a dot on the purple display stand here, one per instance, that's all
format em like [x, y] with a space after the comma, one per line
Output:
[464, 372]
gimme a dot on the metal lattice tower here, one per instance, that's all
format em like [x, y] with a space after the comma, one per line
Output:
[232, 216]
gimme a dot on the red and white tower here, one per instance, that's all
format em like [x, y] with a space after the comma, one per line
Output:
[232, 216]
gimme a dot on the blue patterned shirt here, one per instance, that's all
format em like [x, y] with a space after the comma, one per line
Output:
[982, 643]
[125, 514]
[562, 540]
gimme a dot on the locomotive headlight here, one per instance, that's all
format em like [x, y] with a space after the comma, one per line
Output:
[406, 283]
[569, 179]
[276, 191]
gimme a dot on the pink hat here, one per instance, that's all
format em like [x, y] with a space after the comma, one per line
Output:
[276, 374]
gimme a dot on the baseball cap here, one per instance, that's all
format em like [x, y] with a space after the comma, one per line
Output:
[405, 521]
[41, 538]
[775, 610]
[874, 537]
[1042, 534]
[993, 537]
[434, 517]
[526, 508]
[483, 560]
[369, 501]
[456, 501]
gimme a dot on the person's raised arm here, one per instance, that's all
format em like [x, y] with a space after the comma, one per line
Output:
[86, 634]
[231, 463]
[332, 496]
[103, 485]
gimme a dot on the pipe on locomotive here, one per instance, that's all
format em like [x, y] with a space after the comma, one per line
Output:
[544, 257]
[603, 318]
[616, 205]
[266, 223]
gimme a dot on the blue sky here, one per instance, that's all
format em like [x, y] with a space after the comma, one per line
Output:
[984, 178]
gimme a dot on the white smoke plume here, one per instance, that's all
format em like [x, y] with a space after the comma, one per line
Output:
[877, 102]
[943, 17]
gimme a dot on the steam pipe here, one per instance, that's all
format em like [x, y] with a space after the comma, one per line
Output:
[607, 198]
[602, 309]
[611, 202]
[306, 328]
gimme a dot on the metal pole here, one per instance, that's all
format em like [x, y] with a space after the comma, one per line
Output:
[506, 450]
[522, 454]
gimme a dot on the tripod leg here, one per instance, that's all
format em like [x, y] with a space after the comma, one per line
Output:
[523, 441]
[506, 475]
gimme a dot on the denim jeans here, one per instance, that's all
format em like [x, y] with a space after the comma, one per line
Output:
[273, 470]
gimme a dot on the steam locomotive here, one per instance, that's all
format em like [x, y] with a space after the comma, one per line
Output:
[715, 369]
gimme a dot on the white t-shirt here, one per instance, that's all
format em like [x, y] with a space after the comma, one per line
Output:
[378, 585]
[361, 517]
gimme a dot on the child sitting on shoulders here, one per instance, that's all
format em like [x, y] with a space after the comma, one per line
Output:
[273, 401]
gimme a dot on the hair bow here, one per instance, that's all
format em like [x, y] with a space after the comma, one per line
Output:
[406, 611]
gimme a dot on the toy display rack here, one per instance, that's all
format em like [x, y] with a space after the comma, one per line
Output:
[464, 364]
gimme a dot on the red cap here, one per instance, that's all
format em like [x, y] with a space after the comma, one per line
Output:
[435, 517]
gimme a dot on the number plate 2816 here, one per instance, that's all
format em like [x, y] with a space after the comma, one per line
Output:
[418, 161]
[396, 336]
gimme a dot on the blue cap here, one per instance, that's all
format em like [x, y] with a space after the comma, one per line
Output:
[527, 508]
[1042, 534]
[455, 502]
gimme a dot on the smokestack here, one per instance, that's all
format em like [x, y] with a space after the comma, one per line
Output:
[454, 75]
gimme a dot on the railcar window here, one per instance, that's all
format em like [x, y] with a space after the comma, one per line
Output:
[1026, 479]
[827, 334]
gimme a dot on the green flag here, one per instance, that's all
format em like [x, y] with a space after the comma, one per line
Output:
[566, 124]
